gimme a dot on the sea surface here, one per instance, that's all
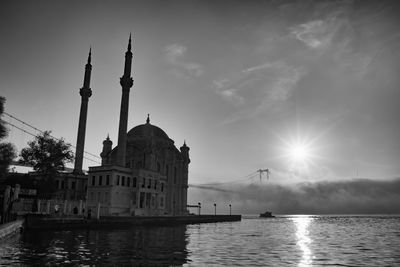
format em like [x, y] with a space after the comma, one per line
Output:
[304, 240]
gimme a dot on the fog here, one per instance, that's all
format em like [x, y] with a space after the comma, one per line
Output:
[358, 196]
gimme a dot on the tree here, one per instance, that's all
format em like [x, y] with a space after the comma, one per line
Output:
[7, 150]
[3, 129]
[7, 154]
[47, 156]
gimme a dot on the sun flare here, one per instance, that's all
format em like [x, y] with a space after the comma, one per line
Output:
[299, 152]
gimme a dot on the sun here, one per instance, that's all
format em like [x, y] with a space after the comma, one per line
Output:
[299, 152]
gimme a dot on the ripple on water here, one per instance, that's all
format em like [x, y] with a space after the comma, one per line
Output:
[285, 241]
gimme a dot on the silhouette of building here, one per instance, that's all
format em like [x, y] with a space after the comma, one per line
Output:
[145, 174]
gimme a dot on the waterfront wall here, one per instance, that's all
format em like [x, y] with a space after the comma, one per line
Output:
[11, 228]
[109, 222]
[49, 206]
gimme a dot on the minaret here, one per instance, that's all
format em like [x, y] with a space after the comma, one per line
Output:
[185, 153]
[107, 147]
[185, 174]
[126, 82]
[85, 93]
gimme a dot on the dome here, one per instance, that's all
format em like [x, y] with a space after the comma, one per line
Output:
[147, 130]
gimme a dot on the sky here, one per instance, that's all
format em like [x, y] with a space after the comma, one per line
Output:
[306, 89]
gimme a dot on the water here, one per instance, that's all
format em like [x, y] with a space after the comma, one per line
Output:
[281, 241]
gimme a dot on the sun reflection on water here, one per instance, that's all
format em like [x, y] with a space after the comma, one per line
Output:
[303, 239]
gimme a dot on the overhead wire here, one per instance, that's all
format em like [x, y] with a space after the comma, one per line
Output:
[25, 131]
[41, 131]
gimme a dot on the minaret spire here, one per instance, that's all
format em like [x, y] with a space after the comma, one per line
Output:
[88, 71]
[85, 93]
[89, 60]
[128, 61]
[129, 44]
[126, 82]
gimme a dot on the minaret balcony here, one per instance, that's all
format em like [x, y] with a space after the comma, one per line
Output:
[126, 82]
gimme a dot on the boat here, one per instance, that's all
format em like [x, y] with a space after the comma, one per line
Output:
[267, 214]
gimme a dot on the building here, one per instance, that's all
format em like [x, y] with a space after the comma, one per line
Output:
[145, 174]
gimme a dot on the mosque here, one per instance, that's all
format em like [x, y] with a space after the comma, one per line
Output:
[145, 174]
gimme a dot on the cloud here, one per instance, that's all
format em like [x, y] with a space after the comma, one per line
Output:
[175, 56]
[228, 93]
[232, 96]
[285, 83]
[361, 196]
[260, 67]
[321, 33]
[173, 52]
[259, 88]
[312, 34]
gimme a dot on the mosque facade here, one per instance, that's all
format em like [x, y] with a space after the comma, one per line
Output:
[145, 174]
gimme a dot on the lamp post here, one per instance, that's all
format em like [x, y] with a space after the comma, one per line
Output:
[230, 209]
[199, 207]
[215, 209]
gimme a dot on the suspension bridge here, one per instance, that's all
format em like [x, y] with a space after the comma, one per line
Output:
[250, 178]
